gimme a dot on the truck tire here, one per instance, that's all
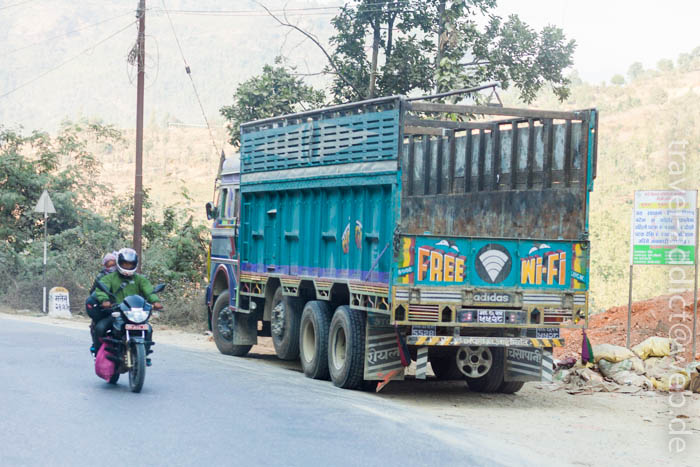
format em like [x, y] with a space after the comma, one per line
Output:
[313, 339]
[346, 348]
[222, 326]
[284, 323]
[444, 365]
[510, 387]
[492, 380]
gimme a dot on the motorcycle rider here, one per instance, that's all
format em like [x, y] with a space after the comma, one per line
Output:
[122, 283]
[92, 306]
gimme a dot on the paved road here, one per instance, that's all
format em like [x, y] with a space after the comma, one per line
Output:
[206, 409]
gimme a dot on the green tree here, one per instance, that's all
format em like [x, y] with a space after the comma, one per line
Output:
[635, 71]
[665, 65]
[274, 92]
[617, 80]
[63, 165]
[431, 45]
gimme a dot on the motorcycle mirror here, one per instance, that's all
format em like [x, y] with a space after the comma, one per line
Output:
[158, 288]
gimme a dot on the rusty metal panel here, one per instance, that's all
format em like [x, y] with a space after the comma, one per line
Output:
[546, 214]
[517, 178]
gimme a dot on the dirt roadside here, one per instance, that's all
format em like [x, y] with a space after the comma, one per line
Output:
[586, 430]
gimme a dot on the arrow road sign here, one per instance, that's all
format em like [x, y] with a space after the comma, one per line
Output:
[45, 205]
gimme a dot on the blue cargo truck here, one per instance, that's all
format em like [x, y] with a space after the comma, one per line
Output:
[363, 236]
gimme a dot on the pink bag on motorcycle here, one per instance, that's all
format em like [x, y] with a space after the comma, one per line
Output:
[104, 367]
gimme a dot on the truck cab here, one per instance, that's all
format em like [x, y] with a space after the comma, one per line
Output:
[224, 216]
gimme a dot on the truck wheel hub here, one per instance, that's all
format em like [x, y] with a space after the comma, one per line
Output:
[474, 362]
[225, 324]
[277, 320]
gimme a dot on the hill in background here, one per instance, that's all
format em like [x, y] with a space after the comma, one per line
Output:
[63, 39]
[639, 118]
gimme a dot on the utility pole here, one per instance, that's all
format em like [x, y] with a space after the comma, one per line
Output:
[138, 184]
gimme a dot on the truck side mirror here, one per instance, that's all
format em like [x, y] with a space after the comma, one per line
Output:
[211, 211]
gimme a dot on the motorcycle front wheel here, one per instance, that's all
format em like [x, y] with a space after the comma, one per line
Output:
[137, 372]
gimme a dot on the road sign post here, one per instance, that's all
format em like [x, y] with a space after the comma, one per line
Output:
[664, 231]
[45, 206]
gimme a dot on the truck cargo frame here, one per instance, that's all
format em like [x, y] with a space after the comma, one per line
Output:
[417, 215]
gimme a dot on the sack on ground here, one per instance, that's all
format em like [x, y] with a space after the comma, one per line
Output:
[657, 367]
[674, 381]
[611, 353]
[695, 382]
[654, 346]
[634, 365]
[630, 378]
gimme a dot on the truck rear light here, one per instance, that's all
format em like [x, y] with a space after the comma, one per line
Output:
[553, 319]
[515, 317]
[465, 316]
[557, 315]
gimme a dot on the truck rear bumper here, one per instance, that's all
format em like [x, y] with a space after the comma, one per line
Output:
[484, 341]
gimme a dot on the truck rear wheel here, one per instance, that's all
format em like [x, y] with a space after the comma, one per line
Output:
[313, 339]
[444, 365]
[223, 323]
[510, 387]
[482, 366]
[284, 324]
[346, 348]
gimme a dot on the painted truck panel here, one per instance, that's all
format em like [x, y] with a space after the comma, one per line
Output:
[342, 233]
[319, 193]
[320, 140]
[497, 263]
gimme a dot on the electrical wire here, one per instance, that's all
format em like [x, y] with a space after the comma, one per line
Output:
[74, 57]
[58, 36]
[189, 73]
[16, 4]
[311, 11]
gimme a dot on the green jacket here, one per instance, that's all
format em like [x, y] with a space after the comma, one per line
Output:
[136, 285]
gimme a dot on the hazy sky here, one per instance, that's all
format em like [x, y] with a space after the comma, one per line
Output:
[612, 34]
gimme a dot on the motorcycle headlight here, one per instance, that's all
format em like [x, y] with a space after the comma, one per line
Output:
[137, 315]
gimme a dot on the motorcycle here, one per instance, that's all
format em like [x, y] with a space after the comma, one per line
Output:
[128, 342]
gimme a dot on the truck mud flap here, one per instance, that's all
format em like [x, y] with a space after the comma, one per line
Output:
[528, 364]
[245, 329]
[530, 342]
[382, 355]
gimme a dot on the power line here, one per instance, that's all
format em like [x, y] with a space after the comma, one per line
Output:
[65, 34]
[16, 4]
[74, 57]
[189, 73]
[311, 11]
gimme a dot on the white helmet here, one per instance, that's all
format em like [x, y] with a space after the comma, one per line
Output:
[127, 255]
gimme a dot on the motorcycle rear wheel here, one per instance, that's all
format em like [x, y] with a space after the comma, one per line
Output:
[137, 372]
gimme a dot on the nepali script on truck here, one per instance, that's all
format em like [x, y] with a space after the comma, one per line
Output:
[363, 236]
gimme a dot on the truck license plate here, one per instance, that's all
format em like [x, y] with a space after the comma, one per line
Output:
[547, 333]
[423, 331]
[492, 316]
